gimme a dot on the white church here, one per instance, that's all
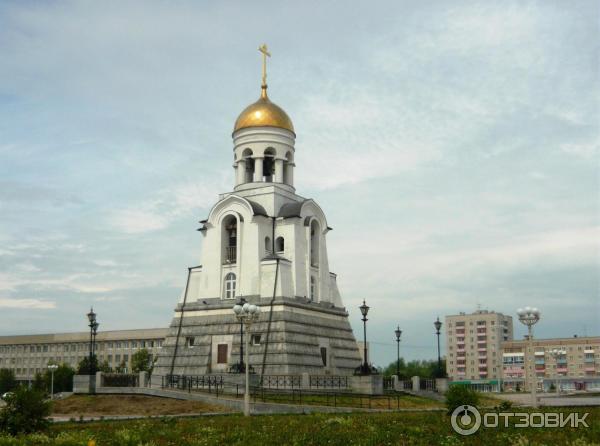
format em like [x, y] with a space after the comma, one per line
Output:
[267, 245]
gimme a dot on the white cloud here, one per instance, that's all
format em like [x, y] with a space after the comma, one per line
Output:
[26, 304]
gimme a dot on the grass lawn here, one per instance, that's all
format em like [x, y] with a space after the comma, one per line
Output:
[99, 405]
[404, 428]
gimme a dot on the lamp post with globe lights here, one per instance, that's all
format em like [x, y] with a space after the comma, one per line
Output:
[398, 333]
[52, 368]
[247, 314]
[555, 353]
[93, 324]
[364, 368]
[530, 316]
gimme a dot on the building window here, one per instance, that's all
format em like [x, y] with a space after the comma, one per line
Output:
[279, 244]
[230, 286]
[255, 339]
[222, 354]
[230, 240]
[324, 355]
[313, 288]
[189, 341]
[314, 243]
[268, 247]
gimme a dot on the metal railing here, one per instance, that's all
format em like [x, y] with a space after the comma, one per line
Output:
[428, 384]
[281, 381]
[207, 383]
[388, 383]
[325, 398]
[406, 384]
[120, 380]
[230, 255]
[328, 382]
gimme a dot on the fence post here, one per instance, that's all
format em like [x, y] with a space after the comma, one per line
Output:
[416, 384]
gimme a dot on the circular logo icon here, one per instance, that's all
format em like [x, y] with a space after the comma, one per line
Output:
[465, 420]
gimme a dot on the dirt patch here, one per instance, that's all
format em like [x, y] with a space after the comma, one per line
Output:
[98, 405]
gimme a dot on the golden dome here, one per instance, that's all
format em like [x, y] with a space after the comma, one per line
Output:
[263, 113]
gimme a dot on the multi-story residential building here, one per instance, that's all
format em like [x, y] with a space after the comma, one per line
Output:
[571, 363]
[27, 355]
[473, 343]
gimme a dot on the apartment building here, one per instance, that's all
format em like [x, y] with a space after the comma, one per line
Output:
[473, 344]
[27, 355]
[567, 363]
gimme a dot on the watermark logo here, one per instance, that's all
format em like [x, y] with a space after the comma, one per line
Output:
[466, 420]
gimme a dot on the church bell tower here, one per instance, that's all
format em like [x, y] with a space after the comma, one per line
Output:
[266, 245]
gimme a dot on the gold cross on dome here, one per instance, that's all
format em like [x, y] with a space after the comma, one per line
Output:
[265, 52]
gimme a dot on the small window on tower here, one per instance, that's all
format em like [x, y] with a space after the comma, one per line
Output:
[280, 244]
[255, 340]
[189, 341]
[230, 284]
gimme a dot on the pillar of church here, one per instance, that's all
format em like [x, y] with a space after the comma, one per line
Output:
[279, 171]
[240, 172]
[290, 173]
[258, 170]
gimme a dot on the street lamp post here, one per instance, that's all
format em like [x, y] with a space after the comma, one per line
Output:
[438, 326]
[530, 316]
[247, 314]
[242, 366]
[92, 323]
[364, 310]
[398, 333]
[52, 368]
[555, 353]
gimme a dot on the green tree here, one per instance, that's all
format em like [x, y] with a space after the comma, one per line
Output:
[422, 368]
[460, 395]
[26, 411]
[39, 383]
[8, 381]
[141, 361]
[104, 367]
[63, 378]
[83, 368]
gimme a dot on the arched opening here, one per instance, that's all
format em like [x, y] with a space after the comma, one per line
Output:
[230, 284]
[279, 244]
[313, 289]
[268, 246]
[248, 163]
[269, 165]
[315, 238]
[229, 233]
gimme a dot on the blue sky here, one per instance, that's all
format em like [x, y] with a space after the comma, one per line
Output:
[453, 145]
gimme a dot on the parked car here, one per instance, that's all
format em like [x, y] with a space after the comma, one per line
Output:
[7, 395]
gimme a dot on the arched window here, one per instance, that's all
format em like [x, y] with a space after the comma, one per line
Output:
[268, 247]
[314, 243]
[279, 244]
[313, 288]
[269, 165]
[249, 165]
[229, 240]
[230, 286]
[287, 169]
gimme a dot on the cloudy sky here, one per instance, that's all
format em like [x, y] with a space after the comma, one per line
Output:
[453, 145]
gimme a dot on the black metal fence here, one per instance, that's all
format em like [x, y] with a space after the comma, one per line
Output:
[120, 380]
[207, 383]
[428, 384]
[388, 383]
[328, 382]
[325, 398]
[281, 381]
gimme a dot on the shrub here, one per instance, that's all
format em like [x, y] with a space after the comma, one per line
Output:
[460, 395]
[25, 412]
[7, 381]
